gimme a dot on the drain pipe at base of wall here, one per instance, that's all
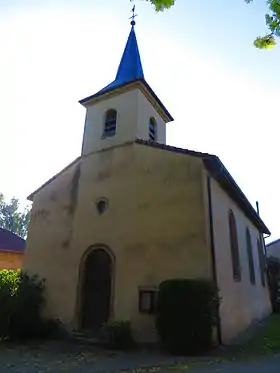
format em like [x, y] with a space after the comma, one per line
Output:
[213, 254]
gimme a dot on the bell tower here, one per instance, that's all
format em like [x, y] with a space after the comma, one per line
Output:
[125, 109]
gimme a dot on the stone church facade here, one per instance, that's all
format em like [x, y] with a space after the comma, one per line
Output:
[131, 212]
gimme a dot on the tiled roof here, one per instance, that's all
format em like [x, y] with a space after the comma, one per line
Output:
[10, 241]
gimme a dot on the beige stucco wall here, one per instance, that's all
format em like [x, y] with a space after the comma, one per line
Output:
[242, 302]
[133, 114]
[50, 234]
[155, 225]
[145, 112]
[273, 249]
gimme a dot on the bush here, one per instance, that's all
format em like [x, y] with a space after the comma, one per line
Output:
[187, 314]
[8, 285]
[21, 301]
[27, 302]
[117, 335]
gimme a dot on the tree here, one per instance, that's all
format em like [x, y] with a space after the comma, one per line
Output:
[272, 19]
[162, 4]
[11, 218]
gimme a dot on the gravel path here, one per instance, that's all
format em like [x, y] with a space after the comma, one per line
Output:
[69, 358]
[270, 365]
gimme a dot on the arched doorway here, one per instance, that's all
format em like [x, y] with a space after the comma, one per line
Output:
[96, 291]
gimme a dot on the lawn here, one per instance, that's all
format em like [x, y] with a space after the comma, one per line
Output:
[267, 339]
[264, 340]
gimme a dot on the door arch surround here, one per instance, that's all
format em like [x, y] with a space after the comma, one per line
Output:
[96, 287]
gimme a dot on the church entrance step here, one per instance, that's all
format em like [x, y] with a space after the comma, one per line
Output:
[85, 337]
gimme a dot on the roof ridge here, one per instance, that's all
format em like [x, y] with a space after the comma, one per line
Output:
[10, 232]
[10, 241]
[174, 148]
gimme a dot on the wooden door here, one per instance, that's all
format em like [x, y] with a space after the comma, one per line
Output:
[96, 290]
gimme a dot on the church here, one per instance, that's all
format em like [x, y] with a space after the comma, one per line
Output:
[131, 212]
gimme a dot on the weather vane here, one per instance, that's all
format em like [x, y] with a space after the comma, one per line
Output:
[133, 16]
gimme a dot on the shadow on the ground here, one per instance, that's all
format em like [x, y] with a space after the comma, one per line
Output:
[70, 357]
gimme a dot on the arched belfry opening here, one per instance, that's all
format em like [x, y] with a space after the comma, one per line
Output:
[96, 289]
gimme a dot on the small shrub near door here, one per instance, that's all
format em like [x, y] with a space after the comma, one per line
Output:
[117, 335]
[187, 315]
[21, 301]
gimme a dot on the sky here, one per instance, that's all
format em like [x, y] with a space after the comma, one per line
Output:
[198, 57]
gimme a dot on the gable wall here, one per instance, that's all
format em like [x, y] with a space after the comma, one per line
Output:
[50, 232]
[155, 226]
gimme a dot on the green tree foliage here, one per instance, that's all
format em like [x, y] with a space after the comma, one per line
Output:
[272, 19]
[162, 4]
[11, 218]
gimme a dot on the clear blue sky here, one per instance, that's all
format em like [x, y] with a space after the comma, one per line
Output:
[198, 57]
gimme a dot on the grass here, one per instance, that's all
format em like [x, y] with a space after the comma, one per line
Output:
[264, 341]
[176, 368]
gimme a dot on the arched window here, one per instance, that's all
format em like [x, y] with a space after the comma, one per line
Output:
[153, 129]
[236, 270]
[261, 262]
[110, 123]
[250, 257]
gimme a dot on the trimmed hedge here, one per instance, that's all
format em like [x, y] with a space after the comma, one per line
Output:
[21, 301]
[187, 315]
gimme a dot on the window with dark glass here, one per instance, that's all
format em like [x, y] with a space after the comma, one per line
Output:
[236, 270]
[110, 123]
[152, 129]
[250, 257]
[261, 262]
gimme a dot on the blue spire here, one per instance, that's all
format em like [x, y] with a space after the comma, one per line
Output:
[130, 67]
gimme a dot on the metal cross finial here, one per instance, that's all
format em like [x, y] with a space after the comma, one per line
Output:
[133, 16]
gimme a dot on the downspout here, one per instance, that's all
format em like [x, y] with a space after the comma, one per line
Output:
[263, 238]
[263, 245]
[212, 248]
